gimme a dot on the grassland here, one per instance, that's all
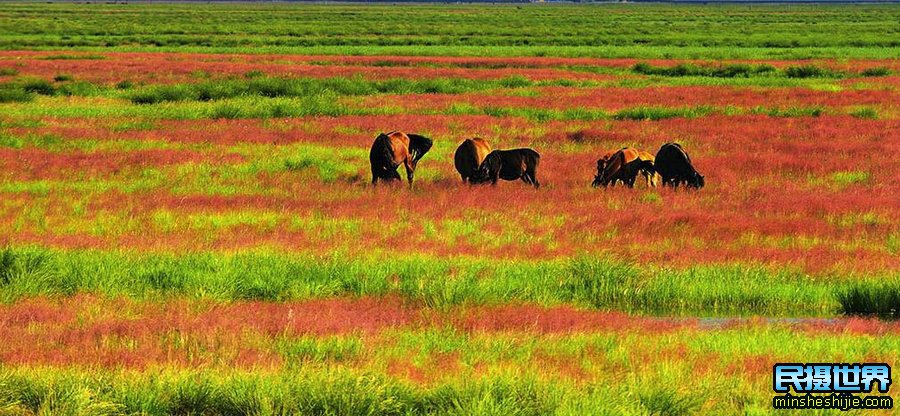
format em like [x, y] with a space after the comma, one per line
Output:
[631, 31]
[187, 225]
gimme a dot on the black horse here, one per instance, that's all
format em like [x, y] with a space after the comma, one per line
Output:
[674, 166]
[510, 165]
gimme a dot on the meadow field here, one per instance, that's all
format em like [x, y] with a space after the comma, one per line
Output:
[187, 224]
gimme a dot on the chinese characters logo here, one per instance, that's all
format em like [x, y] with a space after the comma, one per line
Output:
[842, 381]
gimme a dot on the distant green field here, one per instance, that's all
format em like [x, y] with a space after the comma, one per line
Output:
[602, 30]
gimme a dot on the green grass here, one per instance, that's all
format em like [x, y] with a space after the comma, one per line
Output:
[844, 179]
[660, 113]
[865, 113]
[878, 71]
[319, 391]
[636, 31]
[14, 94]
[593, 282]
[39, 86]
[722, 71]
[873, 298]
[810, 71]
[793, 111]
[330, 104]
[306, 87]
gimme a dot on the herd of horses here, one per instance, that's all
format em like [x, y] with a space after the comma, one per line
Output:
[477, 163]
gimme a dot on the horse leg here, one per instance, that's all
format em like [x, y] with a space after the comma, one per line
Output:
[410, 171]
[532, 175]
[530, 179]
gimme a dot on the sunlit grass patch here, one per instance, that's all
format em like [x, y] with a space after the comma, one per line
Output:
[846, 178]
[33, 187]
[865, 113]
[305, 350]
[326, 227]
[853, 219]
[327, 169]
[259, 220]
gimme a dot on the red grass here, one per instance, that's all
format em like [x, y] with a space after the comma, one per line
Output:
[173, 67]
[768, 181]
[89, 331]
[36, 164]
[120, 333]
[562, 319]
[614, 99]
[770, 195]
[183, 67]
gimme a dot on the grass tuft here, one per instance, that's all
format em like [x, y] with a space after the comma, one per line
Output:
[871, 298]
[810, 71]
[721, 71]
[878, 71]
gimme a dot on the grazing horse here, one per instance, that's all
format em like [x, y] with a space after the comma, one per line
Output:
[390, 150]
[649, 171]
[622, 166]
[674, 166]
[601, 165]
[468, 158]
[510, 165]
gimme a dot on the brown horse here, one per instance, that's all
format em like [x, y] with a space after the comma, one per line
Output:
[392, 149]
[468, 158]
[622, 166]
[601, 163]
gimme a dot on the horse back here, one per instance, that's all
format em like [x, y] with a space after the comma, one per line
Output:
[399, 143]
[481, 148]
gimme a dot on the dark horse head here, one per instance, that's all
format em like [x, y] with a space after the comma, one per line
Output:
[696, 180]
[490, 163]
[598, 178]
